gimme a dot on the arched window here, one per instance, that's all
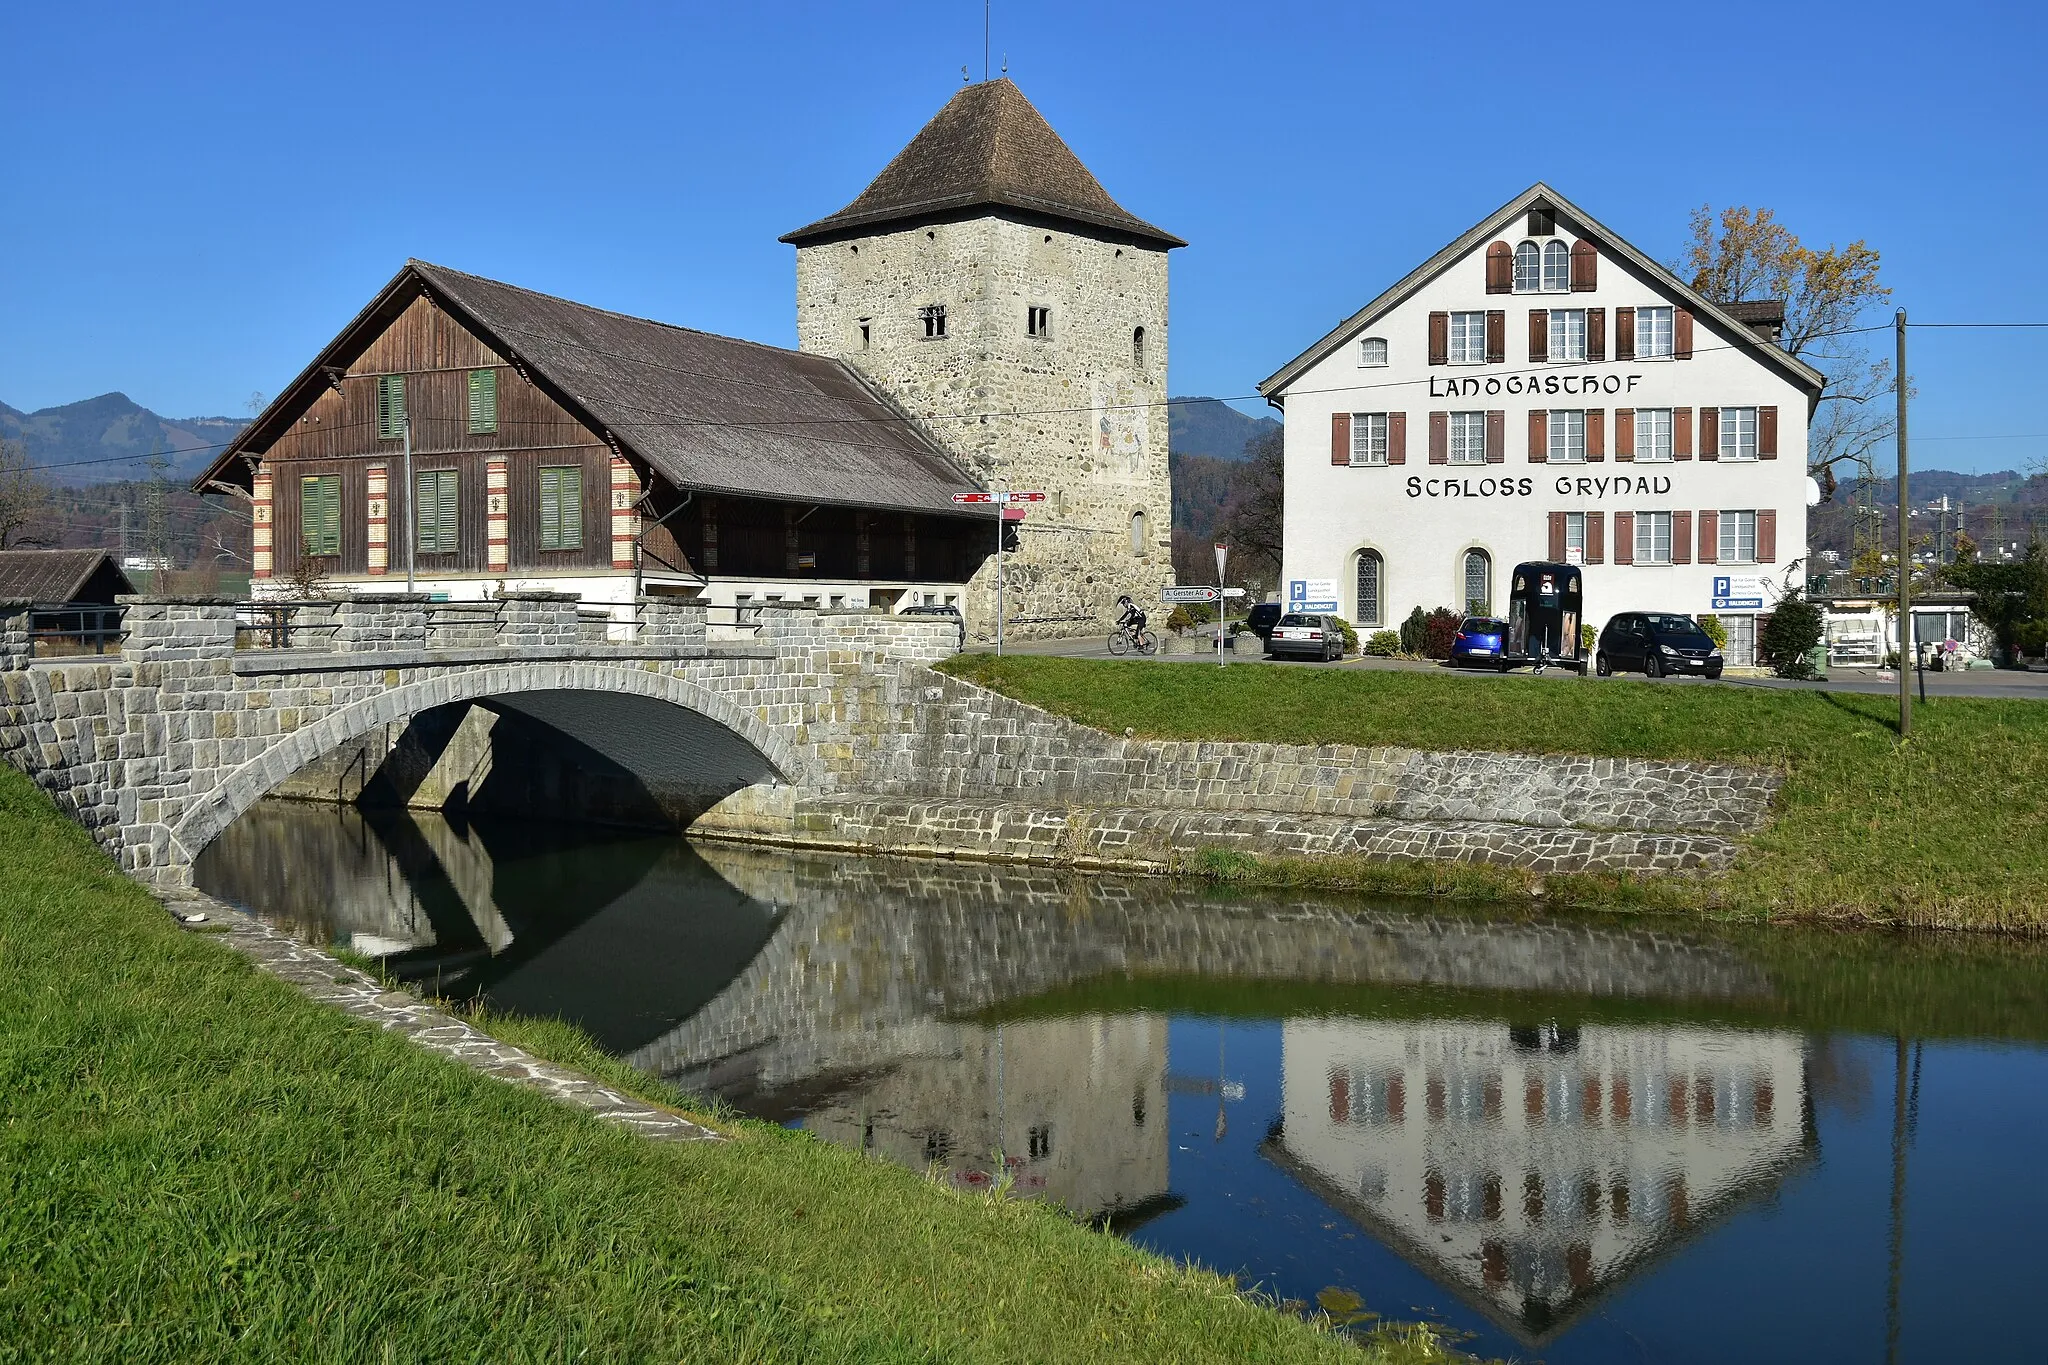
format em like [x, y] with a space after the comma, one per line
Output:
[1557, 268]
[1369, 584]
[1138, 533]
[1528, 268]
[1478, 583]
[1138, 347]
[1372, 351]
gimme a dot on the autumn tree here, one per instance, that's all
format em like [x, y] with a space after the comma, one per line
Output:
[1744, 253]
[27, 505]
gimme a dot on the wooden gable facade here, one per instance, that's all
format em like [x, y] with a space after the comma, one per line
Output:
[349, 434]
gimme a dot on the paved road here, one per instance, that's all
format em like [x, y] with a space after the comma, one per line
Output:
[1983, 682]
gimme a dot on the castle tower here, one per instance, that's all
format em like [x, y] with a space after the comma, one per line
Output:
[989, 282]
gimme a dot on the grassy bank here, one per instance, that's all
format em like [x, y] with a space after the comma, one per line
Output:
[1950, 829]
[198, 1163]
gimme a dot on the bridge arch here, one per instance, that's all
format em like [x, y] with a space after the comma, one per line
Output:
[238, 790]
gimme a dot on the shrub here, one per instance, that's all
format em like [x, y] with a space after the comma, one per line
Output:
[1439, 631]
[1412, 631]
[1715, 631]
[1384, 643]
[1789, 635]
[1350, 635]
[2032, 638]
[1588, 638]
[1178, 619]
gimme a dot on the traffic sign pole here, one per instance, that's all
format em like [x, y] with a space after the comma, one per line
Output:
[1222, 602]
[1002, 499]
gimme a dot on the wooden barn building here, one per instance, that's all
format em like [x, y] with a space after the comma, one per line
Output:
[478, 438]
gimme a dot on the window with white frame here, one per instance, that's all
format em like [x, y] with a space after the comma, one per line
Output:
[1468, 338]
[1653, 537]
[1738, 538]
[1528, 268]
[1738, 433]
[1557, 268]
[1368, 438]
[1372, 351]
[1468, 438]
[1567, 334]
[1653, 435]
[1653, 333]
[1575, 537]
[1567, 436]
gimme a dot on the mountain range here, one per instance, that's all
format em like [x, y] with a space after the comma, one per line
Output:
[1210, 426]
[112, 437]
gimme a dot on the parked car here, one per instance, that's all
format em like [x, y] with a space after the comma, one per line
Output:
[1655, 643]
[1306, 636]
[951, 611]
[1481, 642]
[1262, 618]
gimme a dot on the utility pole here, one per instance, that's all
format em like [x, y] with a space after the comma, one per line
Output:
[1905, 546]
[412, 510]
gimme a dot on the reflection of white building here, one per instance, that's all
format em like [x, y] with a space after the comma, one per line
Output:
[1075, 1106]
[1530, 1169]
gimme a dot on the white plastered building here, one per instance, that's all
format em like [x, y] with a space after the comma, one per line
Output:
[1542, 390]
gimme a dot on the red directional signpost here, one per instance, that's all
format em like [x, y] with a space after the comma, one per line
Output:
[1002, 500]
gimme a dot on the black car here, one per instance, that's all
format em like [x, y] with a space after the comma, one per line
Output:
[1655, 643]
[951, 611]
[1262, 618]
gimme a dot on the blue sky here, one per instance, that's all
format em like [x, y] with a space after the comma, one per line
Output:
[200, 195]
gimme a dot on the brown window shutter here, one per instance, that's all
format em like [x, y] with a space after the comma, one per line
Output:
[1496, 437]
[1767, 433]
[1624, 537]
[1439, 438]
[1397, 438]
[1439, 338]
[1624, 334]
[1596, 334]
[1340, 438]
[1539, 334]
[1767, 536]
[1681, 433]
[1539, 436]
[1710, 433]
[1681, 334]
[1710, 537]
[1624, 434]
[1496, 337]
[1556, 537]
[1596, 435]
[1681, 537]
[1585, 267]
[1500, 268]
[1596, 534]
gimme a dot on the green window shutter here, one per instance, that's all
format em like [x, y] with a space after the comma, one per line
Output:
[561, 507]
[437, 512]
[483, 401]
[330, 515]
[320, 514]
[309, 516]
[446, 523]
[390, 406]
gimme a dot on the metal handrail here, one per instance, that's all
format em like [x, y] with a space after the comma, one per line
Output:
[91, 628]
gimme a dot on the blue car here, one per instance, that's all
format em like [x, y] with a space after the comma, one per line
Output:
[1480, 644]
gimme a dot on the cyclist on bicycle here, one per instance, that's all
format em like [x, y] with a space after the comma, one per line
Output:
[1131, 618]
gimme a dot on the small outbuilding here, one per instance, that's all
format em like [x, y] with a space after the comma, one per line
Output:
[54, 577]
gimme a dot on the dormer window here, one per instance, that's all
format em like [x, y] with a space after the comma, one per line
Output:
[933, 316]
[1372, 352]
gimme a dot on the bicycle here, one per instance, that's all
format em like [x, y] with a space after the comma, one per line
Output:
[1123, 639]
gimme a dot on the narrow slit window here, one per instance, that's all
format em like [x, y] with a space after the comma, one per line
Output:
[1138, 347]
[437, 512]
[561, 507]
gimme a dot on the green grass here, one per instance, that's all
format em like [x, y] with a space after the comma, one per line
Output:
[198, 1163]
[1950, 829]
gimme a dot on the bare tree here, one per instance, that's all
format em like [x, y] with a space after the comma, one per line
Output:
[27, 502]
[1253, 518]
[1745, 253]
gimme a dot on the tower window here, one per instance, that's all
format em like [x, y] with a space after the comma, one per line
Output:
[1038, 321]
[862, 327]
[1138, 347]
[933, 316]
[1138, 533]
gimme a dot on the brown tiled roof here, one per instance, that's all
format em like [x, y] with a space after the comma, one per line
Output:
[707, 412]
[53, 575]
[988, 147]
[1753, 311]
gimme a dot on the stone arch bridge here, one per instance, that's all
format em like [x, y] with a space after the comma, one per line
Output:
[824, 728]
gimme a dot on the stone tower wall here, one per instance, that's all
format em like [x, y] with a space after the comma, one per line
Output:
[1081, 419]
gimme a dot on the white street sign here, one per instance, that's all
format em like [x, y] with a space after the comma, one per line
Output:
[1233, 592]
[1009, 497]
[1187, 594]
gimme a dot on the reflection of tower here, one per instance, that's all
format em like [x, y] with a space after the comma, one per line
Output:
[1073, 1106]
[1530, 1169]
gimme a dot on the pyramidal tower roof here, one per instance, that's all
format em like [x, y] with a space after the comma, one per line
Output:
[989, 147]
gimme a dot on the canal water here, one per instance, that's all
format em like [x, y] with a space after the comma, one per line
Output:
[1577, 1140]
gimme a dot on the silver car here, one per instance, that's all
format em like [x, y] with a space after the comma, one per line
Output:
[1306, 636]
